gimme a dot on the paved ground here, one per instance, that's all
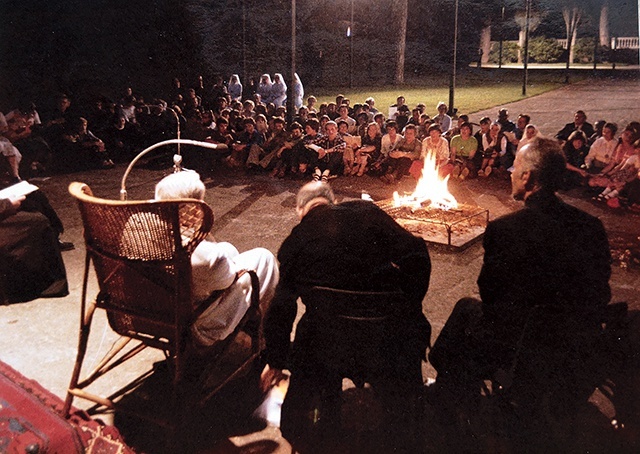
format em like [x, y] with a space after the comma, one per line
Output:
[39, 338]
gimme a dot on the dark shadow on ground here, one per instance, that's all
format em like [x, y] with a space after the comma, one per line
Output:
[608, 422]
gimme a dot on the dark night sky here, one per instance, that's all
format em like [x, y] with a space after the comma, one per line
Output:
[47, 43]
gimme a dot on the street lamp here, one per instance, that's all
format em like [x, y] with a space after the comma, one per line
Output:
[452, 82]
[350, 36]
[614, 45]
[244, 43]
[525, 79]
[501, 39]
[290, 94]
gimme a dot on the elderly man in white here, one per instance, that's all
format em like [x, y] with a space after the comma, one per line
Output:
[214, 267]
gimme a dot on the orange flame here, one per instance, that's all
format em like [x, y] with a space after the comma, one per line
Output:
[430, 188]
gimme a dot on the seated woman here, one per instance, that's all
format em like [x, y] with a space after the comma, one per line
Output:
[214, 267]
[575, 149]
[463, 150]
[84, 148]
[531, 132]
[278, 91]
[30, 262]
[435, 145]
[235, 88]
[621, 153]
[602, 150]
[401, 158]
[23, 125]
[264, 89]
[389, 142]
[353, 143]
[362, 123]
[10, 161]
[370, 149]
[617, 179]
[494, 144]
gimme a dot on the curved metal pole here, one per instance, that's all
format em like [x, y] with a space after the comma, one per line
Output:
[197, 143]
[175, 114]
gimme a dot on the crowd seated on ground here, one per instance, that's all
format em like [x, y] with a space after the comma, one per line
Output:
[249, 125]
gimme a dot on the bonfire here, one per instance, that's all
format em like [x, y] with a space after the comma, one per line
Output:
[431, 190]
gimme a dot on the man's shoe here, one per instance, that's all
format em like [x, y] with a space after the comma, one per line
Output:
[464, 174]
[317, 174]
[65, 245]
[456, 172]
[487, 171]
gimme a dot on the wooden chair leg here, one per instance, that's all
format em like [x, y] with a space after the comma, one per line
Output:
[85, 330]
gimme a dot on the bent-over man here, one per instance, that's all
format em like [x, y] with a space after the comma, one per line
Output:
[353, 245]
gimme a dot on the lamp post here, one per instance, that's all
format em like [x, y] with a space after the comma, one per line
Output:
[614, 45]
[244, 43]
[452, 82]
[525, 78]
[290, 100]
[350, 36]
[501, 38]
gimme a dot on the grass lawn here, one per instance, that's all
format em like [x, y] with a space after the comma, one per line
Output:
[475, 90]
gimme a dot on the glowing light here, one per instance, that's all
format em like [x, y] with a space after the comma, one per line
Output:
[431, 190]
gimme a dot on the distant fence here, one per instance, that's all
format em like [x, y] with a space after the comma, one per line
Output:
[621, 42]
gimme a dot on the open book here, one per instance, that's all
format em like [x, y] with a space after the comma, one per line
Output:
[18, 190]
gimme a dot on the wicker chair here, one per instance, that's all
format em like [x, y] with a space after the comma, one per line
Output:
[141, 255]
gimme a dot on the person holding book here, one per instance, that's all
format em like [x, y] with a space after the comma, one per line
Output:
[31, 265]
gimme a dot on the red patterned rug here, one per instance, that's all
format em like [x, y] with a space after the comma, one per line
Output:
[31, 421]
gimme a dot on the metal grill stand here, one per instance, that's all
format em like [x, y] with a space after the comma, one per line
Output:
[456, 228]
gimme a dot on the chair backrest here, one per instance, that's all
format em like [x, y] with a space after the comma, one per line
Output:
[355, 332]
[353, 304]
[141, 252]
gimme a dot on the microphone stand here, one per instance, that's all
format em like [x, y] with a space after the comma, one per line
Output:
[175, 114]
[177, 158]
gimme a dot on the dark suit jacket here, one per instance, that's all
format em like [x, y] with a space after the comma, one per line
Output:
[565, 132]
[352, 246]
[547, 253]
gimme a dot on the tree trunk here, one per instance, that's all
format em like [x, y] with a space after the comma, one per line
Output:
[605, 36]
[403, 10]
[571, 18]
[572, 50]
[521, 37]
[485, 43]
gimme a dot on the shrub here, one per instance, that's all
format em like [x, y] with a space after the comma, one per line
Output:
[544, 50]
[509, 52]
[625, 56]
[583, 51]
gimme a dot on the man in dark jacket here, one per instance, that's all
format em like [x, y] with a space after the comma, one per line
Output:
[548, 253]
[579, 123]
[352, 246]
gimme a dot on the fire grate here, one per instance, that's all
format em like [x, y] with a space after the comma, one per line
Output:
[456, 228]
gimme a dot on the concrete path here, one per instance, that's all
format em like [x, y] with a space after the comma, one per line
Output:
[614, 100]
